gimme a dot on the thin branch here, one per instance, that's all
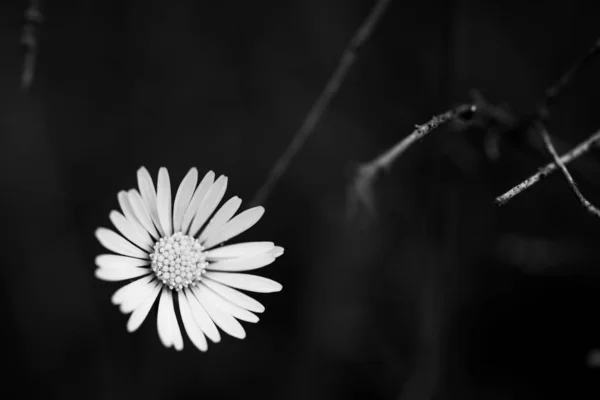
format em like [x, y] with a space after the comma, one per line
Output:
[553, 92]
[361, 187]
[575, 153]
[584, 202]
[550, 96]
[386, 159]
[348, 59]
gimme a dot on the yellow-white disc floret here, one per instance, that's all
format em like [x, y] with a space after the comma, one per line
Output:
[178, 261]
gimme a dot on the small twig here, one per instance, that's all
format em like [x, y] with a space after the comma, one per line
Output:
[552, 93]
[584, 202]
[361, 186]
[386, 159]
[575, 153]
[542, 114]
[348, 59]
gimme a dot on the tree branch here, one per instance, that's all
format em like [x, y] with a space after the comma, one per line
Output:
[348, 59]
[386, 159]
[575, 153]
[366, 174]
[554, 91]
[584, 202]
[550, 96]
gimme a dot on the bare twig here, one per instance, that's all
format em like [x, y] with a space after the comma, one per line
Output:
[575, 153]
[366, 174]
[584, 202]
[542, 114]
[552, 93]
[386, 159]
[348, 59]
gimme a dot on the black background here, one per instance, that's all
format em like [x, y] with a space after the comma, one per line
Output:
[441, 295]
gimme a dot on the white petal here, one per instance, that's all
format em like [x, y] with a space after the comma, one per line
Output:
[183, 197]
[202, 318]
[276, 251]
[239, 250]
[163, 202]
[130, 290]
[148, 194]
[197, 200]
[242, 264]
[221, 217]
[141, 212]
[189, 323]
[114, 261]
[223, 320]
[127, 209]
[211, 201]
[117, 243]
[163, 321]
[249, 282]
[237, 225]
[234, 296]
[136, 234]
[228, 307]
[132, 301]
[175, 331]
[120, 274]
[141, 312]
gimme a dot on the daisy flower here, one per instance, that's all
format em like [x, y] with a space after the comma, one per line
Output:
[173, 252]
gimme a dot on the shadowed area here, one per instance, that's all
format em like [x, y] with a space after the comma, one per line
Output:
[438, 295]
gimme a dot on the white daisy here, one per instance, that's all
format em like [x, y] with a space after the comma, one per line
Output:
[172, 251]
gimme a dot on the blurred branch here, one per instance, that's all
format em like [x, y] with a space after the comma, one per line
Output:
[502, 119]
[346, 62]
[29, 41]
[553, 92]
[588, 206]
[576, 152]
[361, 188]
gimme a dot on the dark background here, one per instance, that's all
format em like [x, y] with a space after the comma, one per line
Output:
[440, 295]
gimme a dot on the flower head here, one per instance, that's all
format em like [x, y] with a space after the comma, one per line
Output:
[173, 252]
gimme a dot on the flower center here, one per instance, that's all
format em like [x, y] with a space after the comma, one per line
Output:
[178, 261]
